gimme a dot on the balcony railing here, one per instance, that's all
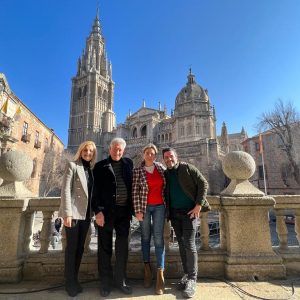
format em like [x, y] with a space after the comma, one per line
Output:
[5, 124]
[37, 144]
[5, 121]
[26, 138]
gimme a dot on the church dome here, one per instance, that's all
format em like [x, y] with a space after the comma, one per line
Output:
[191, 92]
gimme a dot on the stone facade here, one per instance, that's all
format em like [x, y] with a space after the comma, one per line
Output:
[21, 129]
[190, 129]
[279, 179]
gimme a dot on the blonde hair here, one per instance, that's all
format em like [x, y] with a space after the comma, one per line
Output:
[150, 146]
[77, 156]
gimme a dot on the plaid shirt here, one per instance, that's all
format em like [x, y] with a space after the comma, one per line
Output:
[140, 186]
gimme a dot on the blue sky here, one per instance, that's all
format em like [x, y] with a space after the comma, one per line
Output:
[245, 52]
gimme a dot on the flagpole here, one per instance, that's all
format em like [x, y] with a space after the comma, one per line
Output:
[263, 164]
[263, 161]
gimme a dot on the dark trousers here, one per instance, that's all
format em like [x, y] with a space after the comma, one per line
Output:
[120, 221]
[75, 239]
[185, 230]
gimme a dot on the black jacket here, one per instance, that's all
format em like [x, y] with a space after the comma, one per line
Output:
[105, 186]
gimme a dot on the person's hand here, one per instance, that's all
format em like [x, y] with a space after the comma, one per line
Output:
[68, 221]
[139, 216]
[195, 212]
[100, 219]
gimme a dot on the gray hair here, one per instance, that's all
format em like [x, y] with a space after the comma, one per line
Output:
[118, 141]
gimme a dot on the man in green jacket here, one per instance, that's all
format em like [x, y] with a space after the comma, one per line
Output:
[185, 197]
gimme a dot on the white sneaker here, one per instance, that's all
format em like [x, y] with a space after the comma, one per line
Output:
[190, 288]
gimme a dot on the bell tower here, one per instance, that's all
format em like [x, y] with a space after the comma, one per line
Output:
[92, 93]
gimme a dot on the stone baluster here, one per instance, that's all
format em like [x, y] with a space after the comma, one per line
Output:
[297, 224]
[87, 248]
[15, 167]
[222, 230]
[29, 217]
[249, 248]
[281, 229]
[167, 235]
[204, 231]
[46, 231]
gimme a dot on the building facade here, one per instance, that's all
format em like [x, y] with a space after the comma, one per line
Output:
[21, 129]
[273, 170]
[191, 127]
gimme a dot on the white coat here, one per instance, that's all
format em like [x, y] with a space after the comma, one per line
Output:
[74, 192]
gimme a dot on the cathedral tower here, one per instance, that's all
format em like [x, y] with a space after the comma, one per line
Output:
[92, 96]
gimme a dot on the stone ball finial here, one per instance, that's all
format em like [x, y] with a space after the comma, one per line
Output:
[15, 166]
[238, 165]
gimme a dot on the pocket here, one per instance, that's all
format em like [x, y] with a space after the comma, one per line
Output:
[74, 223]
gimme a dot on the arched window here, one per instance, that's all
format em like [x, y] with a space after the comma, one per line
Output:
[104, 95]
[182, 131]
[189, 129]
[84, 91]
[144, 130]
[99, 91]
[134, 133]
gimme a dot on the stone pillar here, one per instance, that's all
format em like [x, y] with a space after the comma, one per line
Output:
[14, 168]
[12, 224]
[249, 249]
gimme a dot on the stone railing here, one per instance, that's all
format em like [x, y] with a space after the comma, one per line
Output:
[286, 205]
[287, 211]
[138, 140]
[244, 250]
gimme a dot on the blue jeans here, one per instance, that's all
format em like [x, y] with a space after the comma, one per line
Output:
[157, 213]
[185, 229]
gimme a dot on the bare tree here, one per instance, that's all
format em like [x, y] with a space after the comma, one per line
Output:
[284, 121]
[53, 172]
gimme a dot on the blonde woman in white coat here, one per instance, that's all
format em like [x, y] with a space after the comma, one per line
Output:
[75, 209]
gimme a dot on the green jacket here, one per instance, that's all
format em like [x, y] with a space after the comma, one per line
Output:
[192, 183]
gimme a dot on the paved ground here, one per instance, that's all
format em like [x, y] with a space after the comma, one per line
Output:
[207, 290]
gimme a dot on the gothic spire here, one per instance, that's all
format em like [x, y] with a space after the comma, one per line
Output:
[96, 29]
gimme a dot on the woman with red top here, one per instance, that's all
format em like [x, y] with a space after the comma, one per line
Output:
[149, 204]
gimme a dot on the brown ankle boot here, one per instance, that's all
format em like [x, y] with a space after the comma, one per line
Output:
[160, 282]
[147, 275]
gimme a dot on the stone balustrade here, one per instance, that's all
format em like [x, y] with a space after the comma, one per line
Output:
[244, 250]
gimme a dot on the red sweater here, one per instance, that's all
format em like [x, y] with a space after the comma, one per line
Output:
[155, 186]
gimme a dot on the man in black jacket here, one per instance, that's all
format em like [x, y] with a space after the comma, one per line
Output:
[185, 197]
[112, 204]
